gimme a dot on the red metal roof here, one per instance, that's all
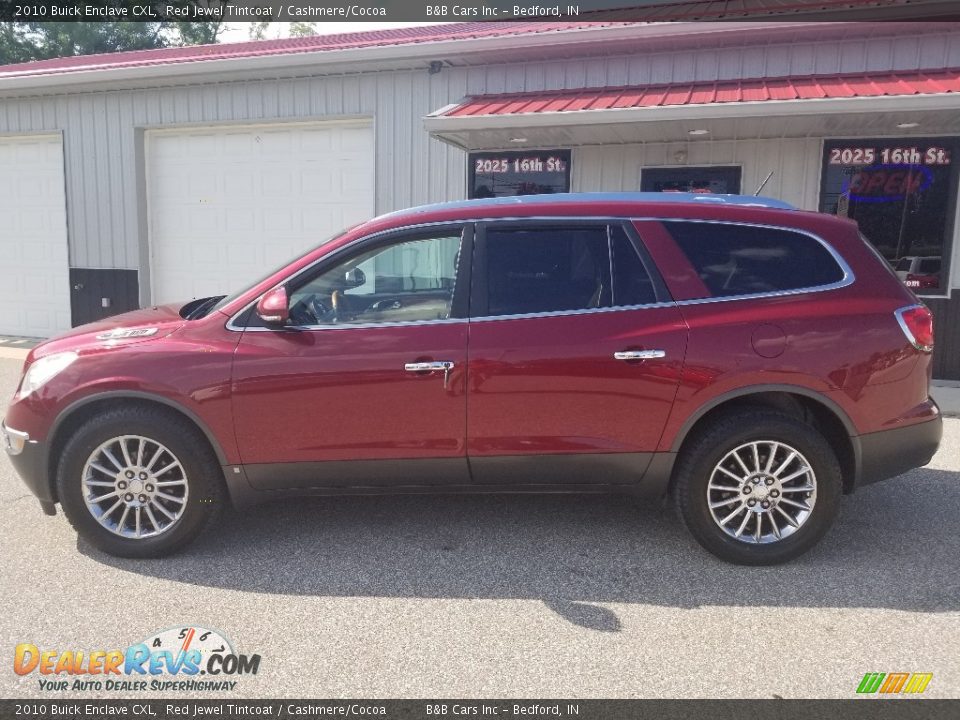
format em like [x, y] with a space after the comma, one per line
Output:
[289, 46]
[811, 87]
[647, 11]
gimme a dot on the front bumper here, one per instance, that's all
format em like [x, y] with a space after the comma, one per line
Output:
[28, 458]
[14, 441]
[888, 453]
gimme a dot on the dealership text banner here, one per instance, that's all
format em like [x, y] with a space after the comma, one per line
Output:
[515, 709]
[472, 10]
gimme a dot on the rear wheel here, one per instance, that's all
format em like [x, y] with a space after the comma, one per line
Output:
[758, 487]
[139, 482]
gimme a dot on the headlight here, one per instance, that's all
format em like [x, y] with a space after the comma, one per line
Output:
[44, 370]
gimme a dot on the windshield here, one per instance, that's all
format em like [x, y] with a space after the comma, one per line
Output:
[226, 300]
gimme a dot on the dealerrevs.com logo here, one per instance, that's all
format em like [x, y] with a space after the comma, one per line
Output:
[184, 659]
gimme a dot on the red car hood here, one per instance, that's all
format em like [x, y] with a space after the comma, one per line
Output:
[164, 319]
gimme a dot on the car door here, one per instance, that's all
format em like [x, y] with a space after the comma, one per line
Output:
[575, 354]
[366, 387]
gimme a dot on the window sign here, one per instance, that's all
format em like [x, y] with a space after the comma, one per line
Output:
[902, 193]
[709, 180]
[533, 172]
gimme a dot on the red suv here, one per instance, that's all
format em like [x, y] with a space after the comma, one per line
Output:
[752, 361]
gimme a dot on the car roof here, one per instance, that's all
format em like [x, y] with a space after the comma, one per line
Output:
[656, 198]
[636, 205]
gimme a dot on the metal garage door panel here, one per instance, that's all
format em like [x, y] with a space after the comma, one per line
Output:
[34, 271]
[228, 203]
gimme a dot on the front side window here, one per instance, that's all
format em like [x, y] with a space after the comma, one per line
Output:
[560, 269]
[226, 300]
[736, 260]
[410, 281]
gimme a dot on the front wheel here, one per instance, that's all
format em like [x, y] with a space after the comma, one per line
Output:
[139, 482]
[758, 487]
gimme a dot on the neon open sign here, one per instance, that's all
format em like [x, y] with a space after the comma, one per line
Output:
[887, 183]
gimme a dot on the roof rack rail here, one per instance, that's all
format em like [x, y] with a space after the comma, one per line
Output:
[655, 197]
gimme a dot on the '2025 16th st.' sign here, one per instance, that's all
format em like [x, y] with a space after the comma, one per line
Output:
[523, 172]
[884, 174]
[889, 155]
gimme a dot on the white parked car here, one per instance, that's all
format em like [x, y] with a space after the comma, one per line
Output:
[919, 271]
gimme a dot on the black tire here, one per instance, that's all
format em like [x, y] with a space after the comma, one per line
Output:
[710, 445]
[206, 487]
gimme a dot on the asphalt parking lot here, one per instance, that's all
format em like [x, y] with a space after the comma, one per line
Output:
[509, 596]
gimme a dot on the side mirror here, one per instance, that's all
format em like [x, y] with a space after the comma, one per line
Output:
[273, 308]
[355, 278]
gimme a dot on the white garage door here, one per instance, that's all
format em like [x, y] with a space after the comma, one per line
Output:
[229, 203]
[34, 274]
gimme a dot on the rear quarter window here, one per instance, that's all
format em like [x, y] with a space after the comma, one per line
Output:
[734, 260]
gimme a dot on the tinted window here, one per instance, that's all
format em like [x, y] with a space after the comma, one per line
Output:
[929, 266]
[631, 282]
[742, 260]
[547, 270]
[409, 281]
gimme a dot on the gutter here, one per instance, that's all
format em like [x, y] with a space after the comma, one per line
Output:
[819, 106]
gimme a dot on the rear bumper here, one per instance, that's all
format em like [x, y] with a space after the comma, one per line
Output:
[889, 453]
[28, 458]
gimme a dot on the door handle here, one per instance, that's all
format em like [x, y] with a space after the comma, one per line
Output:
[639, 354]
[427, 367]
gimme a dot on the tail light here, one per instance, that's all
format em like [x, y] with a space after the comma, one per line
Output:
[916, 321]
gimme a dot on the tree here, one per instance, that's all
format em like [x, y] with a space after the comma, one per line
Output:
[199, 33]
[303, 29]
[25, 41]
[12, 48]
[258, 30]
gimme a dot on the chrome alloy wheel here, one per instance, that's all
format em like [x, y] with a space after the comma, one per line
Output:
[762, 492]
[135, 487]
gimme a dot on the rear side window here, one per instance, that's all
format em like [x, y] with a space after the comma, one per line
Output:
[560, 269]
[536, 270]
[736, 260]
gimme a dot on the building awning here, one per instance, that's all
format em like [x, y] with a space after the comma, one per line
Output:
[782, 106]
